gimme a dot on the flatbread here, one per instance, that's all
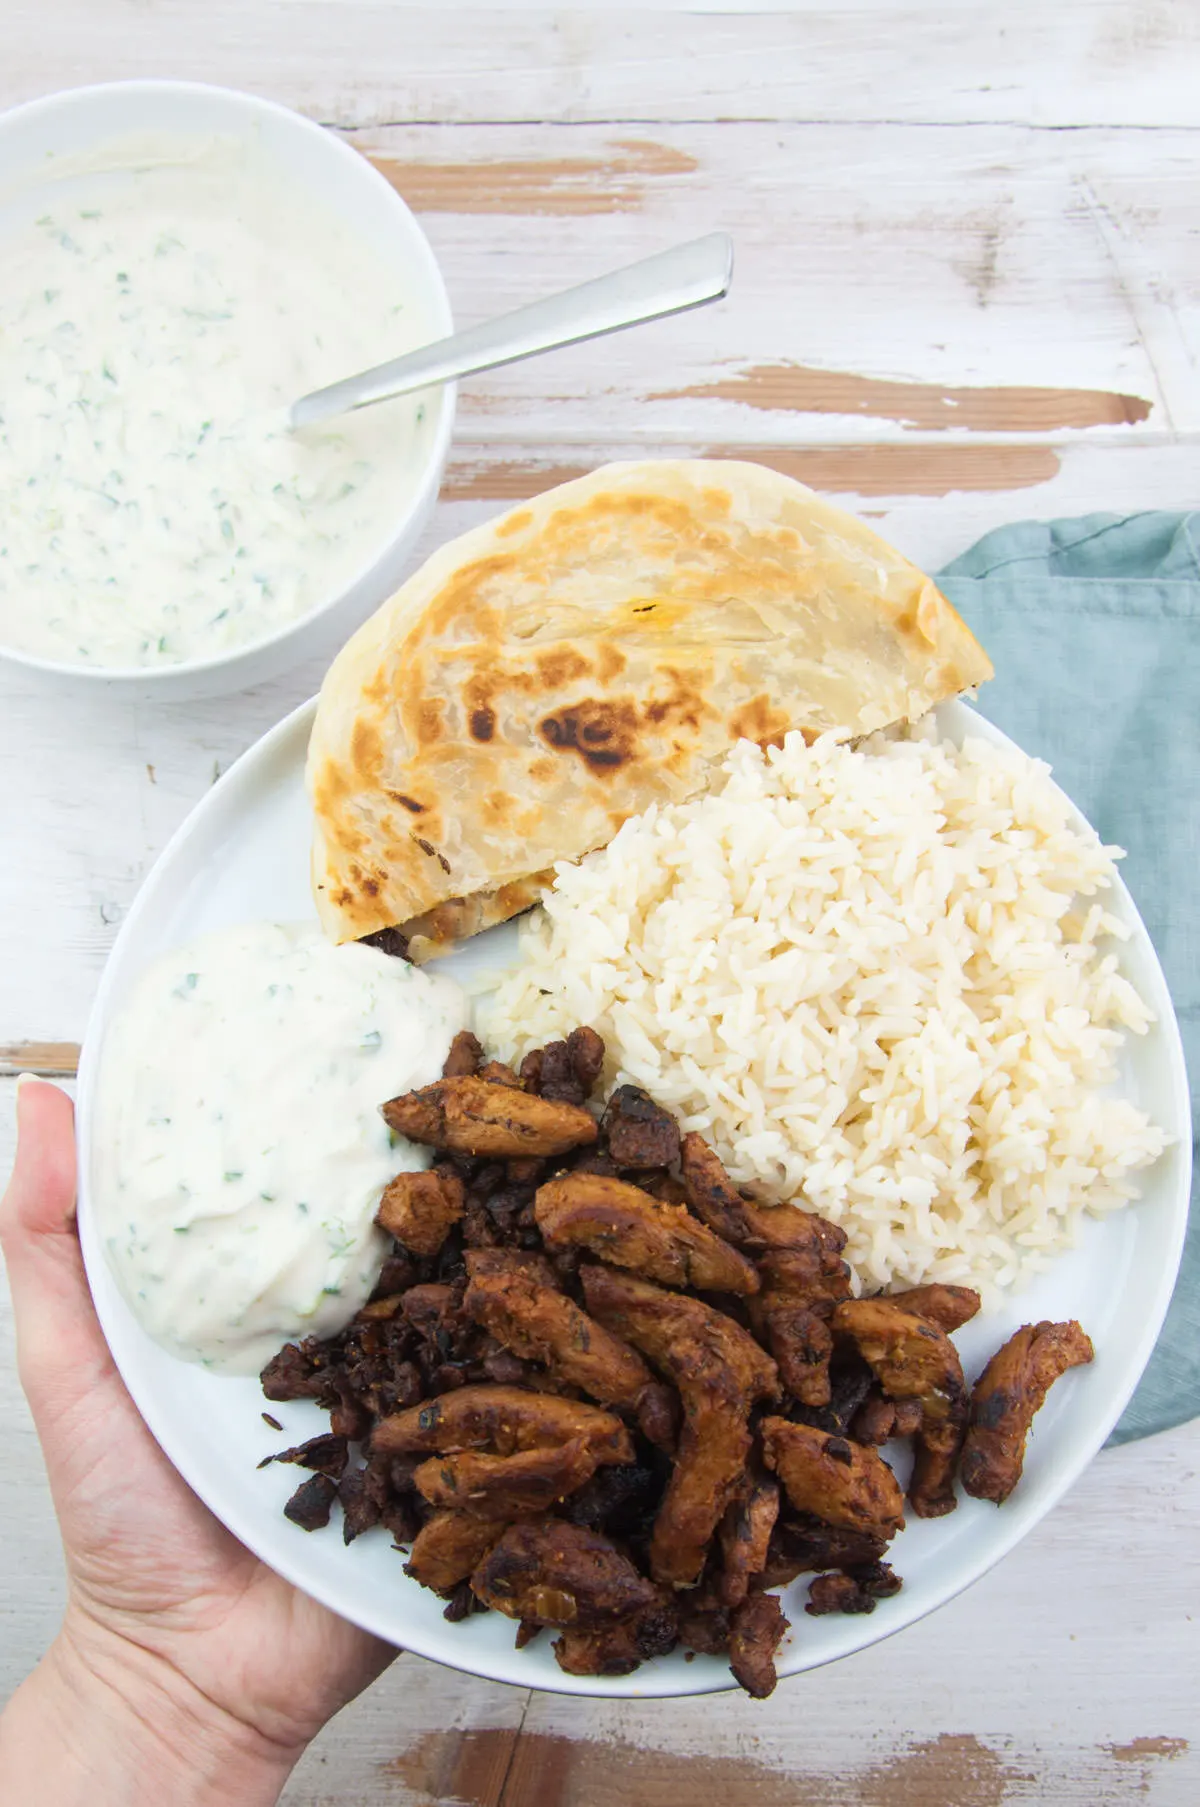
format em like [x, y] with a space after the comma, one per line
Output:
[591, 652]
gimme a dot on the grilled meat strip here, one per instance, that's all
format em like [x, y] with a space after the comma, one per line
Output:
[503, 1420]
[626, 1226]
[838, 1481]
[912, 1359]
[548, 1572]
[530, 1480]
[540, 1323]
[449, 1546]
[1011, 1389]
[470, 1115]
[720, 1371]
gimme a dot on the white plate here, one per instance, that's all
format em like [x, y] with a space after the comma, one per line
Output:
[242, 854]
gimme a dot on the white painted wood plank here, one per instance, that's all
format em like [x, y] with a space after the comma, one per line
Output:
[957, 257]
[1078, 62]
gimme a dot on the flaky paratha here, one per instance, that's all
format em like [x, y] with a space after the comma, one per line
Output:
[591, 652]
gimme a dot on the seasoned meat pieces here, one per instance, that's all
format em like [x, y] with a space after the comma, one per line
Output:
[502, 1419]
[449, 1546]
[719, 1371]
[879, 1419]
[1006, 1396]
[511, 1494]
[949, 1307]
[755, 1634]
[312, 1503]
[912, 1359]
[684, 1338]
[755, 1228]
[566, 1071]
[703, 1625]
[496, 1073]
[292, 1374]
[815, 1276]
[549, 1572]
[800, 1286]
[531, 1480]
[639, 1133]
[540, 1324]
[481, 1262]
[745, 1538]
[854, 1591]
[470, 1116]
[434, 1309]
[420, 1209]
[327, 1454]
[619, 1500]
[713, 1448]
[618, 1649]
[837, 1481]
[628, 1227]
[585, 1050]
[804, 1545]
[465, 1056]
[801, 1341]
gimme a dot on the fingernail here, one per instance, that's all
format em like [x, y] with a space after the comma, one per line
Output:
[27, 1078]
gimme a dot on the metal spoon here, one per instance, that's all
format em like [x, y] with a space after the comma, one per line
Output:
[669, 283]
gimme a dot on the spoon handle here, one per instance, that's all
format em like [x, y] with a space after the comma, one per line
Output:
[669, 283]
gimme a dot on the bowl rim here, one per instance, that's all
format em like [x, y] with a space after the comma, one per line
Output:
[62, 100]
[1022, 1515]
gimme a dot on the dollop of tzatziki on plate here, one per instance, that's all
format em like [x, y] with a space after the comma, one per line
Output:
[238, 1151]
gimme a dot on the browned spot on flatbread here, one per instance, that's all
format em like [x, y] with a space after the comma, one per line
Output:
[867, 470]
[616, 183]
[682, 706]
[562, 666]
[430, 727]
[603, 733]
[610, 662]
[366, 752]
[759, 720]
[501, 1768]
[483, 723]
[407, 802]
[457, 603]
[50, 1060]
[800, 389]
[498, 809]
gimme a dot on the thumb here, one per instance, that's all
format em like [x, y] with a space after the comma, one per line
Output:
[60, 1347]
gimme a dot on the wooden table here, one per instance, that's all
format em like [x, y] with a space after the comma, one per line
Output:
[967, 291]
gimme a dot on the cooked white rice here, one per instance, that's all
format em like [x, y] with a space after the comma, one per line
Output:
[865, 974]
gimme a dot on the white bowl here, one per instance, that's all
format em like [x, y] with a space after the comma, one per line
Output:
[243, 853]
[33, 140]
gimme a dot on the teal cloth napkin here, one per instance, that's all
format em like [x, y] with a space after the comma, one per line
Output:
[1093, 626]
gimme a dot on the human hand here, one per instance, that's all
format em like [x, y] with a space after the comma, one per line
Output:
[185, 1670]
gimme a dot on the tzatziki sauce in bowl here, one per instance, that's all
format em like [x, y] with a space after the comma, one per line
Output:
[181, 263]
